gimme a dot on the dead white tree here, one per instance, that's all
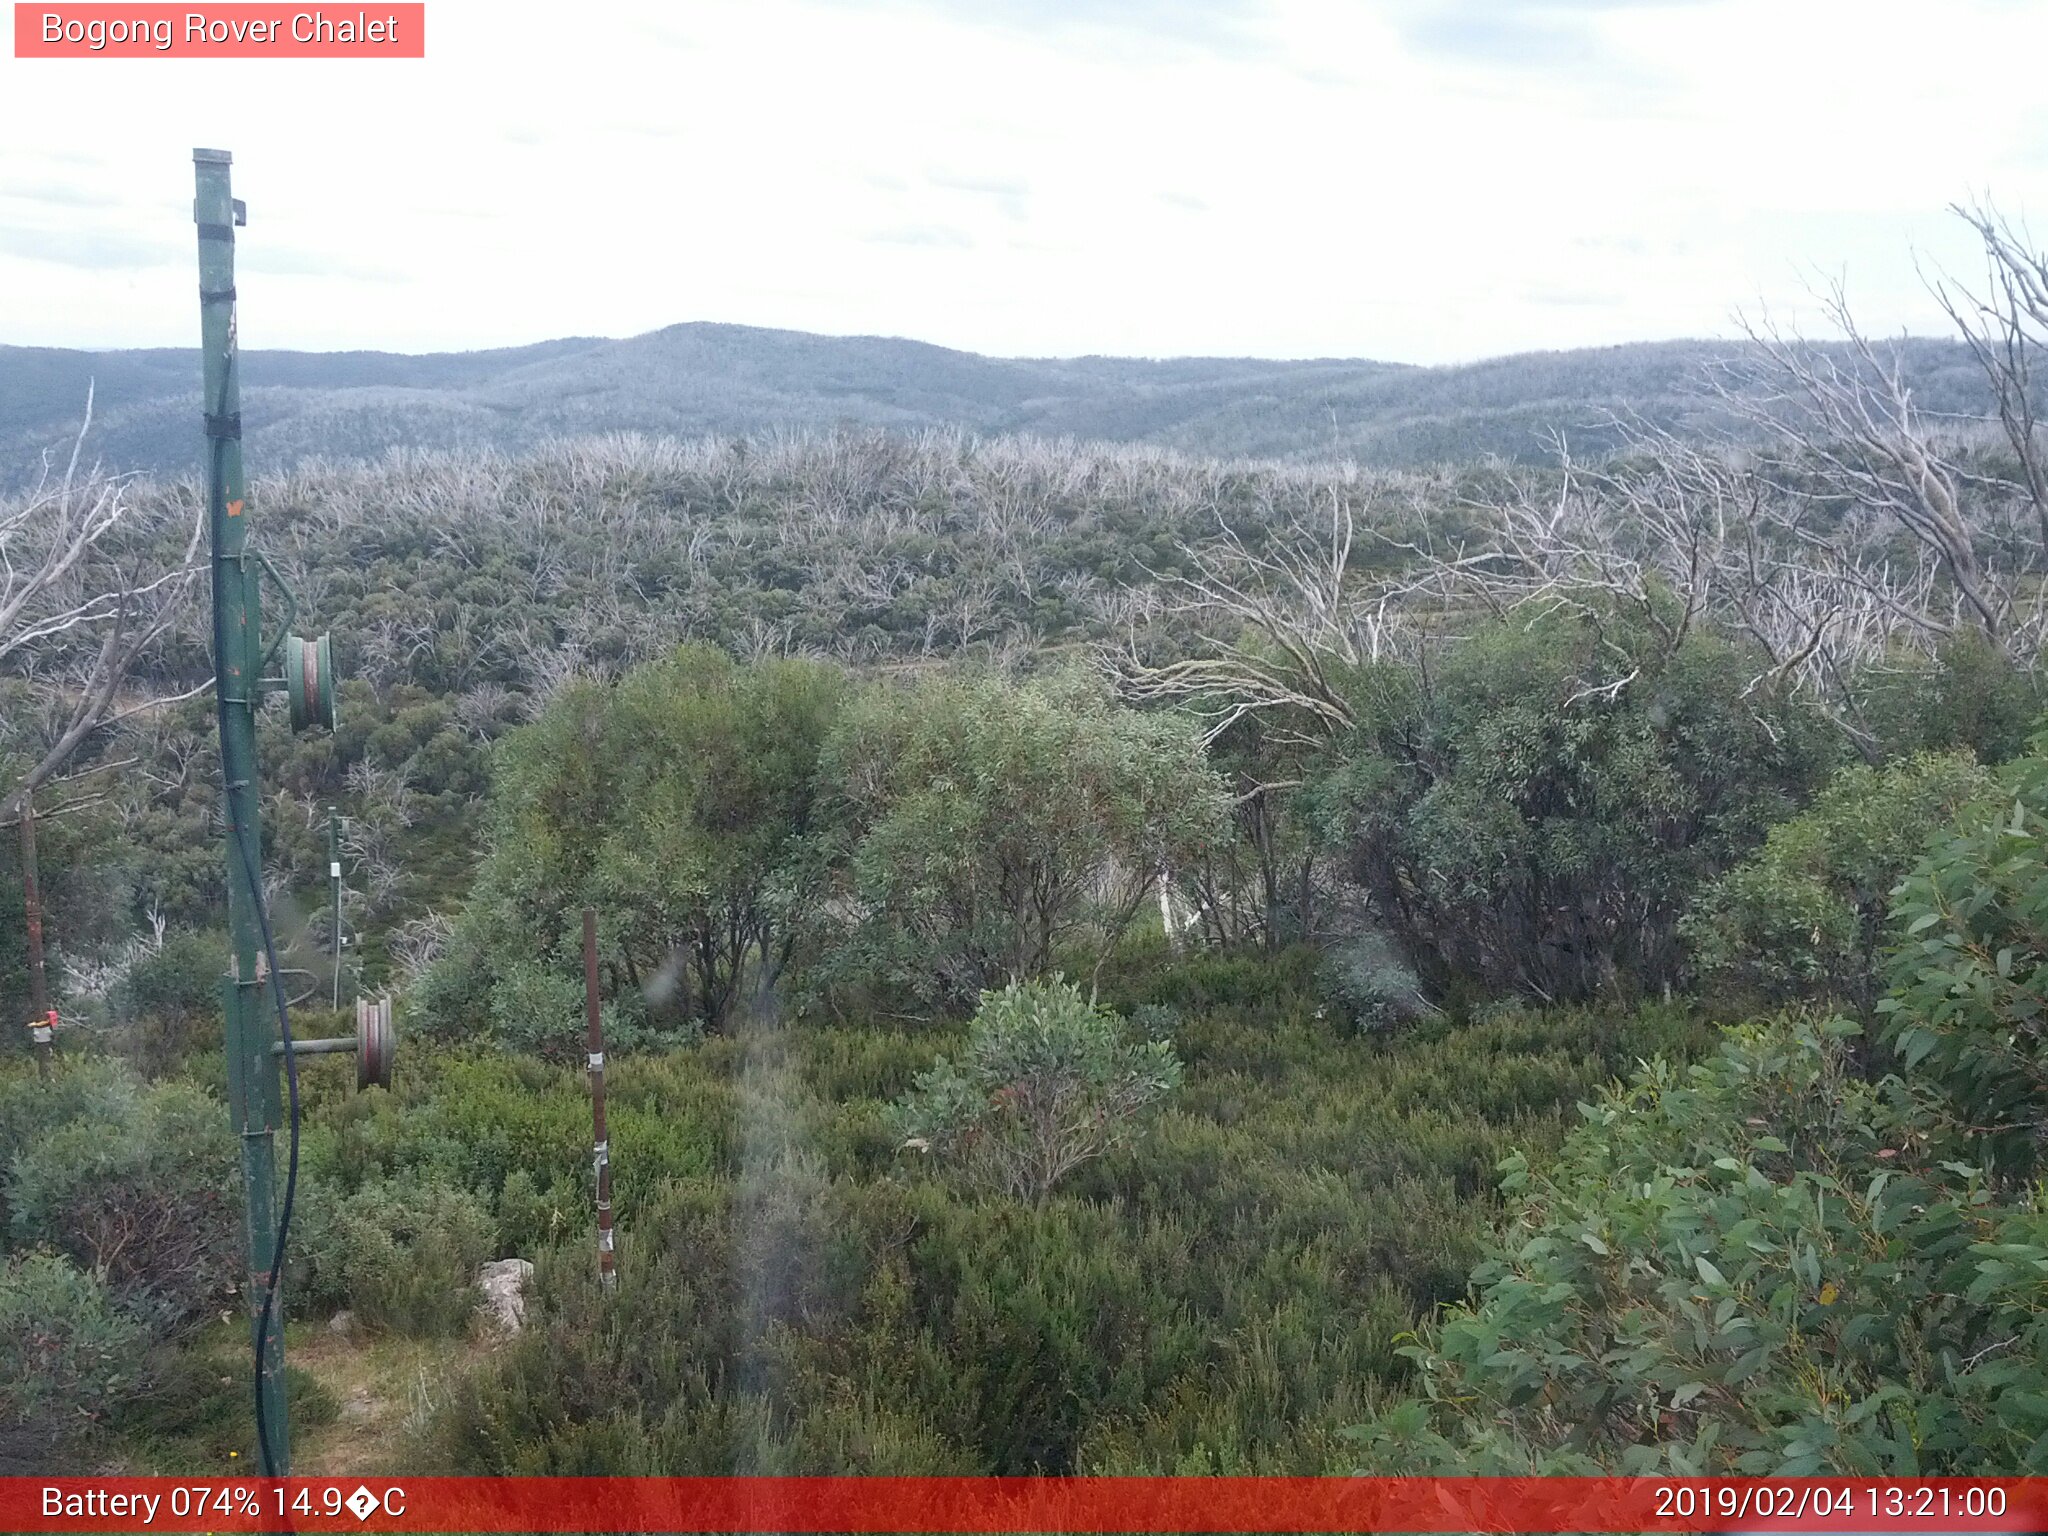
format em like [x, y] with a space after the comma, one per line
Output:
[1273, 626]
[1842, 428]
[1840, 527]
[1680, 535]
[2005, 325]
[86, 599]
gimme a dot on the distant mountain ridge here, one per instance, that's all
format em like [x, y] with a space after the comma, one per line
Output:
[692, 379]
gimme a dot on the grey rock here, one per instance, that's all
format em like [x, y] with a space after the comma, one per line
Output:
[503, 1286]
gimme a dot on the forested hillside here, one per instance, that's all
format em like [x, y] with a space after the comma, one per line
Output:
[1113, 960]
[689, 380]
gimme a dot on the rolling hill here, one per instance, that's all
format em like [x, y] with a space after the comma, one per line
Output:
[698, 378]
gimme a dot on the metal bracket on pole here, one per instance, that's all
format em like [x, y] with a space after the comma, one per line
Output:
[291, 609]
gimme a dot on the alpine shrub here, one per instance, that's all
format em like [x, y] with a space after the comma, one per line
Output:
[1046, 1083]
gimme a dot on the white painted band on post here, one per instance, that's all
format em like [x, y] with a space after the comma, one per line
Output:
[604, 1241]
[597, 1061]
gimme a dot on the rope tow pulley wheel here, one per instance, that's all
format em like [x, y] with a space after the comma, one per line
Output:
[309, 682]
[376, 1043]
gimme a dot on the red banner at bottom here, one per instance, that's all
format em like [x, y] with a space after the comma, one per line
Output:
[979, 1504]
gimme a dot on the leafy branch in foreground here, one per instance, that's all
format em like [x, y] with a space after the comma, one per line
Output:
[1762, 1265]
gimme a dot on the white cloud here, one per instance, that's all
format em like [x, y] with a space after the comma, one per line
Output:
[1393, 179]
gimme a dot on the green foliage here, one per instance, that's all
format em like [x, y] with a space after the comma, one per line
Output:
[1804, 916]
[1268, 882]
[1247, 982]
[1737, 1269]
[1367, 979]
[731, 823]
[196, 1411]
[1222, 1294]
[532, 1216]
[134, 1181]
[80, 862]
[1045, 1083]
[1970, 696]
[988, 826]
[679, 804]
[31, 1105]
[178, 983]
[1969, 976]
[1771, 1264]
[480, 1122]
[167, 1001]
[1534, 813]
[402, 1254]
[457, 621]
[68, 1351]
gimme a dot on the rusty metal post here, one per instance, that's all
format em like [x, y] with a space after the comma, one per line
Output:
[601, 1147]
[39, 1019]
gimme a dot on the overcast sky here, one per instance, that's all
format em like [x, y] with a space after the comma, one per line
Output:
[1416, 180]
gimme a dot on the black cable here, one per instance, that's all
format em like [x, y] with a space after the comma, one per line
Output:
[291, 1177]
[268, 1452]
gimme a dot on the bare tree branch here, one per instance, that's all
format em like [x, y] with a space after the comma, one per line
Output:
[78, 621]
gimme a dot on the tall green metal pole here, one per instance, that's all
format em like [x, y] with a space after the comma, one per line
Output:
[237, 657]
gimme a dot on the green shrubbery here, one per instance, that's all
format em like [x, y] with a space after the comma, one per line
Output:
[1805, 915]
[128, 1178]
[1768, 1263]
[195, 1415]
[1222, 1294]
[1763, 1265]
[69, 1353]
[1970, 696]
[1045, 1083]
[880, 846]
[168, 1001]
[1772, 1264]
[124, 1224]
[1369, 982]
[986, 827]
[1969, 1003]
[477, 1122]
[1535, 813]
[178, 983]
[679, 803]
[400, 1253]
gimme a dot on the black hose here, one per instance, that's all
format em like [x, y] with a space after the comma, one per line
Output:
[291, 1177]
[250, 865]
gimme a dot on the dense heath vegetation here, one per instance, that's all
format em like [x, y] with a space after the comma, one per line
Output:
[1114, 963]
